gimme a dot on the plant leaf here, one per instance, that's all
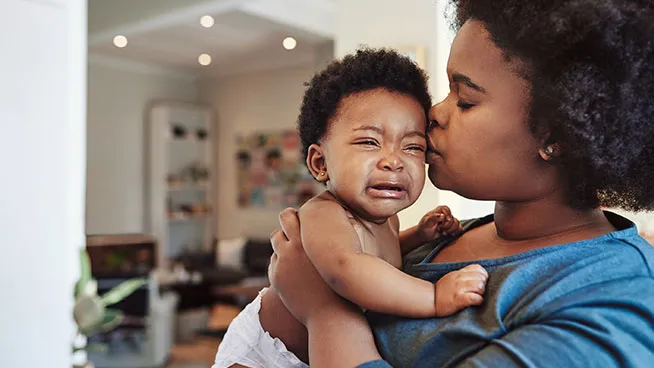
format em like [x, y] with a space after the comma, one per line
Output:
[85, 272]
[88, 311]
[121, 291]
[110, 320]
[97, 348]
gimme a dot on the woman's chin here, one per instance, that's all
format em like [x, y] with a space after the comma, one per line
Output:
[437, 179]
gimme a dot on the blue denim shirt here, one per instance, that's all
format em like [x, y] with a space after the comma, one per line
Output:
[583, 304]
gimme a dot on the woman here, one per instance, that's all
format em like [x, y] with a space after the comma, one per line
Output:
[550, 115]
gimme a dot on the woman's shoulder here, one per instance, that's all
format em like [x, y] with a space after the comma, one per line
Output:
[623, 249]
[584, 273]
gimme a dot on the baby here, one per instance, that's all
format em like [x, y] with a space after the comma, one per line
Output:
[362, 123]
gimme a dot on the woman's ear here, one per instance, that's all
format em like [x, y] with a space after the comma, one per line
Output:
[316, 163]
[550, 151]
[550, 148]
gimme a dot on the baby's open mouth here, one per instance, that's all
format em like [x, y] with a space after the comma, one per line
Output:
[388, 187]
[387, 190]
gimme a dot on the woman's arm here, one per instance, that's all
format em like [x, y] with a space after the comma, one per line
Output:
[339, 335]
[341, 338]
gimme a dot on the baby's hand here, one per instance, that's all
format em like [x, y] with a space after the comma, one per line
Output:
[459, 289]
[438, 221]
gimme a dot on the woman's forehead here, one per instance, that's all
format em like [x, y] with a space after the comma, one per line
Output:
[472, 50]
[476, 56]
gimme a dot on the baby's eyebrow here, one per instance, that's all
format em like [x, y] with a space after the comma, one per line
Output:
[376, 129]
[369, 127]
[415, 133]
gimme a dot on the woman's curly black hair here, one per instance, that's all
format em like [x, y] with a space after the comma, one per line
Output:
[591, 68]
[365, 70]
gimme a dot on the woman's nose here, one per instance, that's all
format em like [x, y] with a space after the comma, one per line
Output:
[438, 116]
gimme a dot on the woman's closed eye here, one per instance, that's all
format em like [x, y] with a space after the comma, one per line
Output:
[464, 105]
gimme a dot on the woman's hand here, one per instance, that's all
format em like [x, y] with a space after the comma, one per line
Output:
[292, 275]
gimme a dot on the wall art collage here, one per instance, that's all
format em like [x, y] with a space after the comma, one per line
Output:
[271, 172]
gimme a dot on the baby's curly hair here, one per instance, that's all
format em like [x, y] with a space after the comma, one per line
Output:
[365, 70]
[591, 68]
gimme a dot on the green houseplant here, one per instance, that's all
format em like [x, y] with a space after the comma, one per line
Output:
[91, 312]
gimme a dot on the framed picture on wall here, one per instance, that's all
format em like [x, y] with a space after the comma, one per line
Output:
[271, 171]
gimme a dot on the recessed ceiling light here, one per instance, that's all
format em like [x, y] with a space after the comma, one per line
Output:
[204, 59]
[207, 21]
[289, 43]
[120, 41]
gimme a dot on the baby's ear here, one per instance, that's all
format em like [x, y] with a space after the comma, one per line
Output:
[316, 163]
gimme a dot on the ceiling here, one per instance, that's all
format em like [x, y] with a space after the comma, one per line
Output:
[247, 34]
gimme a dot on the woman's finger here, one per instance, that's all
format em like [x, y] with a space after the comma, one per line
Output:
[272, 265]
[290, 223]
[278, 239]
[273, 261]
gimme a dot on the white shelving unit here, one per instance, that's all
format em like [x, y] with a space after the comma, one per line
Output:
[180, 187]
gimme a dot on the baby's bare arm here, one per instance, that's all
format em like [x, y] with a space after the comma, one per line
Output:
[433, 224]
[334, 248]
[460, 289]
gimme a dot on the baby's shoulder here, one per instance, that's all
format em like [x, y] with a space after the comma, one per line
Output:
[325, 203]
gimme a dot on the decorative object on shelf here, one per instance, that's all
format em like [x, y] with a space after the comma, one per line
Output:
[271, 172]
[179, 131]
[194, 173]
[201, 133]
[174, 179]
[187, 210]
[200, 208]
[195, 208]
[198, 172]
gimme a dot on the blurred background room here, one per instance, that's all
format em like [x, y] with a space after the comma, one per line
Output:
[192, 149]
[188, 151]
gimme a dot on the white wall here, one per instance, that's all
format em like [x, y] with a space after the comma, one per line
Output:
[117, 100]
[244, 104]
[400, 24]
[42, 112]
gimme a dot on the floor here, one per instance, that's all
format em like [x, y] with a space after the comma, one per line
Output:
[200, 353]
